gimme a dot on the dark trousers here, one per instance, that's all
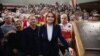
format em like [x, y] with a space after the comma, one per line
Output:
[51, 52]
[62, 48]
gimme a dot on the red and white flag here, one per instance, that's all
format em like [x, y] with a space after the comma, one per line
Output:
[72, 3]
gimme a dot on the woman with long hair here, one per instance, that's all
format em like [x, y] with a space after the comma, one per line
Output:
[49, 35]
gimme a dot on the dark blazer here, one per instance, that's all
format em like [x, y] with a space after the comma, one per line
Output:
[13, 41]
[1, 34]
[51, 48]
[1, 37]
[2, 23]
[29, 41]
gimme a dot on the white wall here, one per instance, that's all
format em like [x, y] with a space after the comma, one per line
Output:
[15, 2]
[83, 1]
[23, 2]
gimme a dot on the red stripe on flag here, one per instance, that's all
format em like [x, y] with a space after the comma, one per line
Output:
[73, 3]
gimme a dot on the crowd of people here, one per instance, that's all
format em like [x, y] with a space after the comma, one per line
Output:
[35, 29]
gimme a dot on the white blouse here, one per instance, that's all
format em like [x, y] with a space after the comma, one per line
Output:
[49, 31]
[67, 27]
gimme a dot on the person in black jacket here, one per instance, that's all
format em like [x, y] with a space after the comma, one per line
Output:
[30, 38]
[17, 38]
[1, 23]
[1, 37]
[49, 35]
[11, 45]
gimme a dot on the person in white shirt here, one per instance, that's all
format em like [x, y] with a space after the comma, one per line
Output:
[49, 35]
[66, 27]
